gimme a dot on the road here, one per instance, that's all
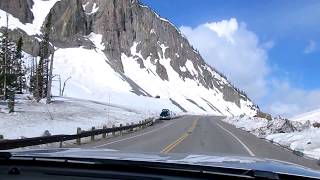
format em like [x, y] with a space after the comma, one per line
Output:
[199, 135]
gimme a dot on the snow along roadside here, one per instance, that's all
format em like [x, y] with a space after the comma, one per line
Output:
[63, 116]
[301, 138]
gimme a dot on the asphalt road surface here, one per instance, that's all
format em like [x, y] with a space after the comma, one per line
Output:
[199, 135]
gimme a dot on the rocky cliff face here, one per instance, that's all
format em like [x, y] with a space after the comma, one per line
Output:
[18, 8]
[128, 29]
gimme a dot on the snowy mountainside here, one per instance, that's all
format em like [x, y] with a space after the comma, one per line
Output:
[123, 52]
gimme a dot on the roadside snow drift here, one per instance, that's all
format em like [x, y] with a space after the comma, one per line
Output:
[63, 116]
[294, 135]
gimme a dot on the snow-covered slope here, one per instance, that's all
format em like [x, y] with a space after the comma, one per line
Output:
[313, 116]
[128, 60]
[297, 136]
[63, 116]
[98, 81]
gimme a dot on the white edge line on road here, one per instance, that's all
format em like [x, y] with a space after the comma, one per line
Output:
[134, 136]
[244, 145]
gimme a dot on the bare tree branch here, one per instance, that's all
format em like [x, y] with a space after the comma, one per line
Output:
[64, 85]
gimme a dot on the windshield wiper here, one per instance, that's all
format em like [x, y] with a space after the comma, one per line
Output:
[5, 155]
[262, 174]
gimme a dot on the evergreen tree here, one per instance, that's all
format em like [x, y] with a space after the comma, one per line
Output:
[10, 68]
[8, 71]
[12, 74]
[20, 67]
[32, 83]
[2, 65]
[42, 73]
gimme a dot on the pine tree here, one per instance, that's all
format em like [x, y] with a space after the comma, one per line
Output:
[8, 71]
[12, 74]
[2, 65]
[20, 67]
[10, 68]
[32, 83]
[42, 74]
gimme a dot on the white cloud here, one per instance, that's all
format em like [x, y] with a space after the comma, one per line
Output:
[310, 48]
[288, 101]
[224, 28]
[268, 45]
[235, 51]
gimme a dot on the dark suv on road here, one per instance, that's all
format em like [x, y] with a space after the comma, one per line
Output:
[165, 114]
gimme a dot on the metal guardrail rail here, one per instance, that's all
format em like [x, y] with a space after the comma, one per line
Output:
[19, 143]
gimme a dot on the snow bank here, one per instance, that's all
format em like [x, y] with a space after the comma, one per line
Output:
[247, 123]
[297, 136]
[306, 141]
[63, 116]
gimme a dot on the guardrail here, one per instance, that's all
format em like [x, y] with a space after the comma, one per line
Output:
[19, 143]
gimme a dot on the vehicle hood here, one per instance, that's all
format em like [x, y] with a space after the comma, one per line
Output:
[238, 162]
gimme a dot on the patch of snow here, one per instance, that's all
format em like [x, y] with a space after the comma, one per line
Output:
[163, 19]
[183, 69]
[190, 67]
[85, 5]
[163, 48]
[95, 9]
[152, 31]
[96, 39]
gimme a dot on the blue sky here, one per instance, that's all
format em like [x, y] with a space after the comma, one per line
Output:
[289, 25]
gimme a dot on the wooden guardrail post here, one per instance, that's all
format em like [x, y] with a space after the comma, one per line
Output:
[127, 126]
[104, 133]
[78, 139]
[92, 136]
[131, 129]
[113, 133]
[121, 129]
[135, 129]
[60, 144]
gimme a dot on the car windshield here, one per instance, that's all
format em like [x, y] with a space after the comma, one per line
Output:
[164, 113]
[200, 78]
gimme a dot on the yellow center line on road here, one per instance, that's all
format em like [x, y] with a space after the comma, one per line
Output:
[171, 146]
